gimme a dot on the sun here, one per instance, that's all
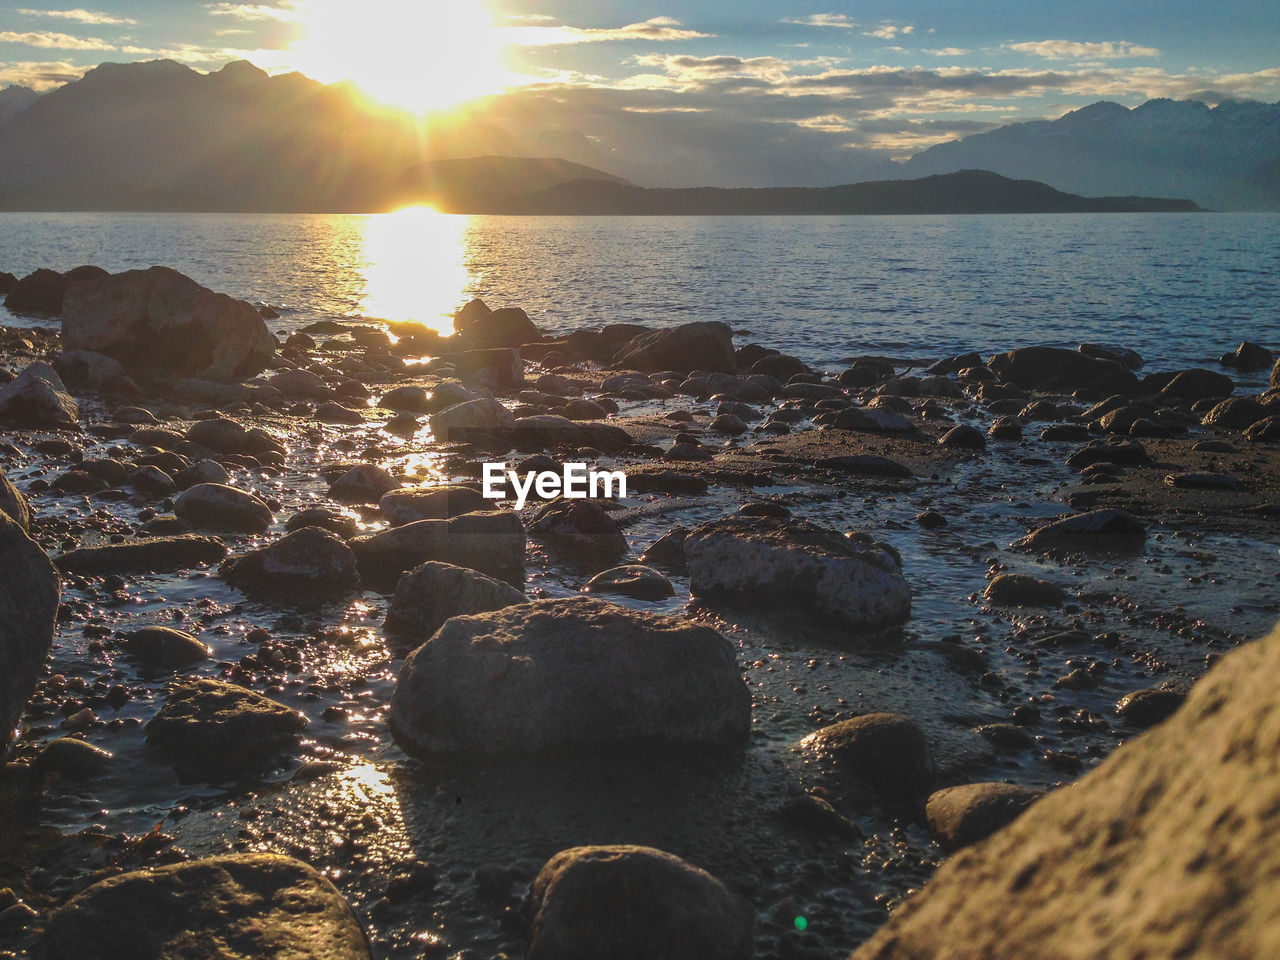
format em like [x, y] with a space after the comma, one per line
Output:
[419, 55]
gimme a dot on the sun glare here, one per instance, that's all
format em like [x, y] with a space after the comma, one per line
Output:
[408, 53]
[415, 266]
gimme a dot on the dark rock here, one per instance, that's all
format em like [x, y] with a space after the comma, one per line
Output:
[36, 397]
[872, 420]
[243, 905]
[1129, 359]
[961, 816]
[406, 399]
[634, 903]
[931, 519]
[1247, 357]
[506, 327]
[363, 484]
[165, 647]
[154, 555]
[1146, 708]
[213, 730]
[39, 292]
[794, 563]
[335, 413]
[868, 465]
[13, 503]
[310, 565]
[779, 365]
[1047, 368]
[1020, 590]
[29, 595]
[326, 519]
[502, 366]
[299, 385]
[403, 506]
[963, 437]
[704, 345]
[1202, 481]
[815, 815]
[1197, 385]
[885, 752]
[203, 471]
[492, 542]
[1101, 529]
[476, 419]
[1127, 454]
[432, 593]
[558, 673]
[159, 323]
[1005, 428]
[632, 580]
[73, 759]
[581, 528]
[668, 550]
[1235, 413]
[1264, 430]
[216, 506]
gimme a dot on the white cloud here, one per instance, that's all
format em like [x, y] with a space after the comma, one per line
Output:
[655, 29]
[889, 31]
[1076, 50]
[40, 76]
[288, 13]
[947, 52]
[78, 16]
[55, 41]
[838, 20]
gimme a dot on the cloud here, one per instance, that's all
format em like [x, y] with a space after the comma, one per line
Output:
[79, 16]
[889, 31]
[55, 41]
[838, 20]
[947, 52]
[659, 29]
[1075, 50]
[40, 76]
[287, 13]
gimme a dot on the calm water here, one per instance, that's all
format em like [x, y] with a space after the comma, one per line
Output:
[1178, 288]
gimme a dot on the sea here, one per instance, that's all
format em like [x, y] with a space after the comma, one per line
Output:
[1181, 289]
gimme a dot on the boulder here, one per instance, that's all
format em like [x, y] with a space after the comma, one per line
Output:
[212, 730]
[492, 542]
[43, 291]
[501, 365]
[300, 385]
[1166, 849]
[795, 564]
[471, 420]
[548, 430]
[365, 483]
[29, 596]
[706, 345]
[165, 647]
[634, 903]
[1021, 590]
[161, 324]
[407, 399]
[431, 503]
[434, 592]
[505, 327]
[14, 503]
[1235, 413]
[566, 673]
[1145, 708]
[632, 580]
[310, 565]
[1198, 384]
[84, 368]
[153, 555]
[1104, 529]
[1051, 368]
[219, 434]
[218, 908]
[963, 437]
[73, 759]
[1249, 356]
[36, 397]
[872, 420]
[961, 816]
[216, 506]
[885, 754]
[580, 528]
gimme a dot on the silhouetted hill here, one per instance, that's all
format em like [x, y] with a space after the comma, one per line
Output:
[14, 99]
[969, 191]
[1217, 157]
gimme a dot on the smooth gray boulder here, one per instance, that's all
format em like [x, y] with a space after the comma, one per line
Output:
[36, 397]
[29, 596]
[236, 907]
[796, 564]
[634, 903]
[569, 672]
[472, 419]
[1166, 849]
[492, 542]
[216, 506]
[310, 565]
[161, 324]
[434, 592]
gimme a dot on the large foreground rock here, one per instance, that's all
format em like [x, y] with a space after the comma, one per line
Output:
[492, 542]
[154, 555]
[797, 564]
[29, 595]
[559, 673]
[1166, 850]
[217, 506]
[1045, 368]
[246, 906]
[14, 503]
[634, 903]
[310, 565]
[706, 345]
[36, 397]
[435, 592]
[159, 323]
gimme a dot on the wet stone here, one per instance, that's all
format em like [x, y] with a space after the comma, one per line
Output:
[165, 647]
[960, 816]
[434, 592]
[1021, 590]
[631, 580]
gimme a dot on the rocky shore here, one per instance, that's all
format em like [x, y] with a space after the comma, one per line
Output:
[278, 676]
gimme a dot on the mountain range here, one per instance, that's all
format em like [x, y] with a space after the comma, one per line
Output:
[159, 136]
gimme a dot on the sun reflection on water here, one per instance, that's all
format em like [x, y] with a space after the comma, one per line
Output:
[415, 267]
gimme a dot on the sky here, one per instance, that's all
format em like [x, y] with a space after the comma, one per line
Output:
[732, 86]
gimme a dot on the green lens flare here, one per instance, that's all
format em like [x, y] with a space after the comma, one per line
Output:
[801, 923]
